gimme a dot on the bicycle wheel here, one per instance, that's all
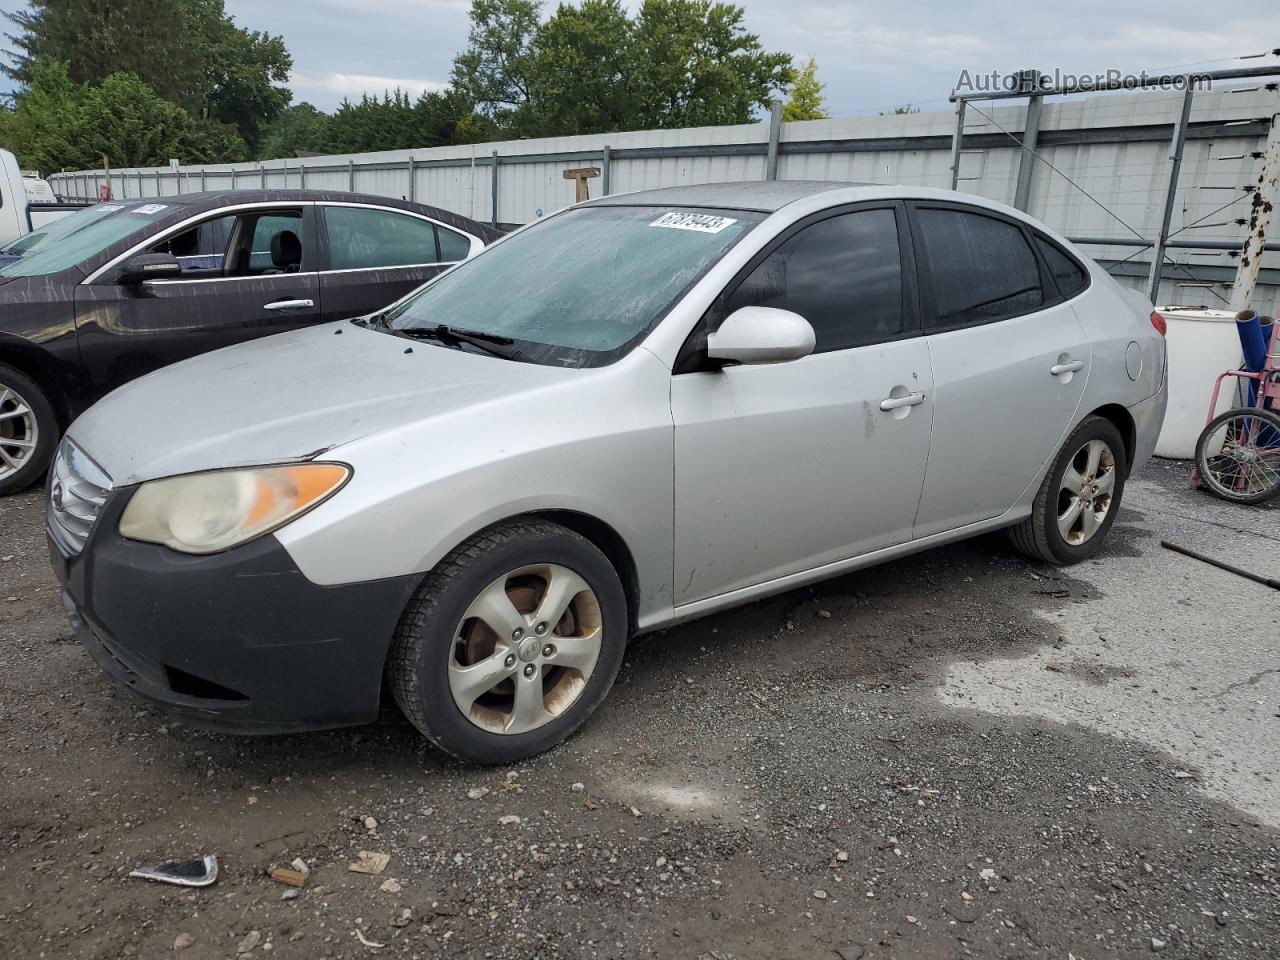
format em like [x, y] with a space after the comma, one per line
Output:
[1238, 455]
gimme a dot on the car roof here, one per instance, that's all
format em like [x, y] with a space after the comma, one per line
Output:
[186, 204]
[766, 196]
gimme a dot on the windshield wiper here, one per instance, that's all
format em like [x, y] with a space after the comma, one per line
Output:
[488, 342]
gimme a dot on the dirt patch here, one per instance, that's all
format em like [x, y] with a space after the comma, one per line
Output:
[775, 782]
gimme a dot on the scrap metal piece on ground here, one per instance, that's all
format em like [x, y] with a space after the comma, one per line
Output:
[181, 873]
[1271, 582]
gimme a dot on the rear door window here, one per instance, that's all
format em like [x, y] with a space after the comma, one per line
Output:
[978, 269]
[842, 274]
[365, 238]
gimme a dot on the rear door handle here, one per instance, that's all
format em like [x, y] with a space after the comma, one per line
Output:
[290, 305]
[1071, 367]
[893, 403]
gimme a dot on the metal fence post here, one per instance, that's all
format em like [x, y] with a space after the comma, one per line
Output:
[605, 179]
[413, 180]
[302, 176]
[351, 176]
[493, 185]
[957, 138]
[235, 175]
[203, 180]
[1175, 168]
[262, 176]
[1027, 159]
[775, 133]
[1264, 197]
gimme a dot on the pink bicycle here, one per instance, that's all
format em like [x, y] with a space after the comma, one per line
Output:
[1238, 453]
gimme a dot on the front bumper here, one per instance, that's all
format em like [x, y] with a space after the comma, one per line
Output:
[239, 641]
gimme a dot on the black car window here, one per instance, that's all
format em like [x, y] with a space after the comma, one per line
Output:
[454, 246]
[361, 238]
[980, 269]
[274, 243]
[201, 249]
[1069, 276]
[842, 274]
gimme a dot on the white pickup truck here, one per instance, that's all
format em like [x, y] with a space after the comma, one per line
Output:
[20, 212]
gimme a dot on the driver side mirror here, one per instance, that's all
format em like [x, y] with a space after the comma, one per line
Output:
[761, 335]
[150, 266]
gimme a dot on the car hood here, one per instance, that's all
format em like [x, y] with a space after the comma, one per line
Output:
[289, 397]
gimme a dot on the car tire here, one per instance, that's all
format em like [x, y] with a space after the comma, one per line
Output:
[446, 637]
[26, 417]
[1069, 525]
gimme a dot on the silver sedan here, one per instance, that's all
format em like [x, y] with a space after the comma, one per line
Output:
[640, 410]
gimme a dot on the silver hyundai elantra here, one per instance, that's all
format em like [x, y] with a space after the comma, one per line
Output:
[640, 410]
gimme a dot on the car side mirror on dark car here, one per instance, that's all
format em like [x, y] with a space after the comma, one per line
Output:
[150, 266]
[761, 335]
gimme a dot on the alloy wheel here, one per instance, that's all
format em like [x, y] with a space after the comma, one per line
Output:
[1085, 496]
[525, 649]
[19, 432]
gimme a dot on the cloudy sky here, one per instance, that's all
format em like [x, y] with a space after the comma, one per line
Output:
[871, 55]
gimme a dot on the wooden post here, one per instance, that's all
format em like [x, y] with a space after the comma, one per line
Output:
[581, 175]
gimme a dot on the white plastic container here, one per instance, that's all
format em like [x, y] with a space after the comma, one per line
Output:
[1202, 344]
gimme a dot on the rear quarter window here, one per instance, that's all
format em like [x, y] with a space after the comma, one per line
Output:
[1068, 275]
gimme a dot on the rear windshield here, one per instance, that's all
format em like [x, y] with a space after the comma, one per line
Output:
[77, 237]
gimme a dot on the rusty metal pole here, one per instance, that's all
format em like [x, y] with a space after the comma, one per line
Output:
[1027, 159]
[1175, 169]
[957, 138]
[775, 134]
[1264, 197]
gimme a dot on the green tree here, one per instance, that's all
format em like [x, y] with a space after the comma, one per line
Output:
[696, 65]
[188, 52]
[805, 102]
[592, 68]
[900, 111]
[298, 127]
[494, 72]
[57, 124]
[581, 69]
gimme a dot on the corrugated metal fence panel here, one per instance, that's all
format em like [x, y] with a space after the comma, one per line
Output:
[1117, 156]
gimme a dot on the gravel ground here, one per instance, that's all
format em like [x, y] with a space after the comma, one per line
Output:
[958, 754]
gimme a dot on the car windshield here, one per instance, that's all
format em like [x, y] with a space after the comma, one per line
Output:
[582, 288]
[78, 237]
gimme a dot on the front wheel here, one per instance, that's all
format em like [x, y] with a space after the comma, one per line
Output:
[1238, 456]
[511, 642]
[1078, 501]
[28, 431]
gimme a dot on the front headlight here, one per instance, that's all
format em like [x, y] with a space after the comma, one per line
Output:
[210, 512]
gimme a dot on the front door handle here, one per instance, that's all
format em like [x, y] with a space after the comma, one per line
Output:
[1071, 366]
[893, 403]
[290, 305]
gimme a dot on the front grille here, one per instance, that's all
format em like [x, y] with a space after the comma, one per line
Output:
[78, 488]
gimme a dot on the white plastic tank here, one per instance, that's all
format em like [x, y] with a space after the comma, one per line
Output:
[1202, 343]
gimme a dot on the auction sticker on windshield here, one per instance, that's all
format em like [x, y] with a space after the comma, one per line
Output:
[149, 208]
[701, 222]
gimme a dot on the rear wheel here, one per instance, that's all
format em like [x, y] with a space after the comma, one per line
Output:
[1238, 456]
[511, 643]
[28, 431]
[1078, 501]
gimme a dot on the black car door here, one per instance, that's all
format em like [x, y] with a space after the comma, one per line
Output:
[247, 272]
[375, 255]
